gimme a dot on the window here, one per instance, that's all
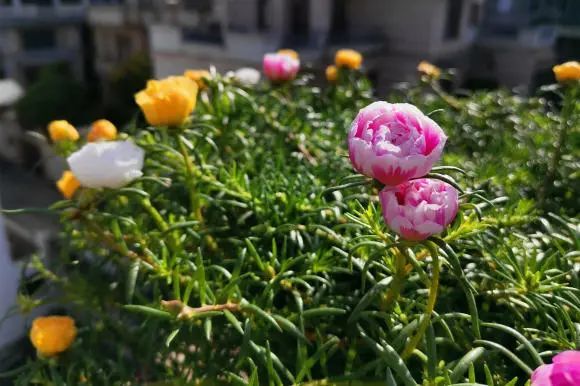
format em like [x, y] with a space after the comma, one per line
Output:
[210, 34]
[338, 24]
[123, 47]
[38, 39]
[474, 15]
[201, 6]
[44, 3]
[453, 23]
[504, 6]
[299, 21]
[261, 15]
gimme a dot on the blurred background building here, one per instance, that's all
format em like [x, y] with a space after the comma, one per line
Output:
[36, 33]
[393, 35]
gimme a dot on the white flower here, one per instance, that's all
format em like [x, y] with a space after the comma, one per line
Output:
[247, 76]
[107, 164]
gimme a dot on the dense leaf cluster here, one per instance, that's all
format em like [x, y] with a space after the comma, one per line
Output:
[251, 253]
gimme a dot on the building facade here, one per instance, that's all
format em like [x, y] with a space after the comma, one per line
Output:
[568, 43]
[517, 40]
[119, 29]
[37, 33]
[393, 35]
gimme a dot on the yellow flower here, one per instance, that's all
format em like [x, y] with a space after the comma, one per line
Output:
[288, 52]
[62, 131]
[102, 130]
[198, 76]
[348, 58]
[331, 73]
[168, 102]
[567, 71]
[68, 184]
[429, 69]
[52, 335]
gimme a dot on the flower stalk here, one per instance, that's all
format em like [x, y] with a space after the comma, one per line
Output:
[194, 203]
[399, 276]
[432, 300]
[567, 113]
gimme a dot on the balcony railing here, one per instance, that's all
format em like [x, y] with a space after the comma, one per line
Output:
[210, 35]
[571, 15]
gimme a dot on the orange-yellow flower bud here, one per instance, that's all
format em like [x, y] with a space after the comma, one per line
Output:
[102, 130]
[288, 52]
[331, 73]
[68, 184]
[62, 131]
[198, 76]
[348, 58]
[567, 71]
[168, 102]
[429, 69]
[51, 335]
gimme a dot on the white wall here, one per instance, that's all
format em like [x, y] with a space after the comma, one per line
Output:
[13, 327]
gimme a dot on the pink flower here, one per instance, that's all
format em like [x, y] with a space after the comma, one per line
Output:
[564, 371]
[280, 67]
[394, 142]
[419, 208]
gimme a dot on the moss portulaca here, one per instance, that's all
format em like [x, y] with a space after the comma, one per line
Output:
[280, 67]
[564, 371]
[247, 76]
[419, 208]
[394, 142]
[107, 164]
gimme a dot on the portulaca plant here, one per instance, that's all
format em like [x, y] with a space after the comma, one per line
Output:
[250, 233]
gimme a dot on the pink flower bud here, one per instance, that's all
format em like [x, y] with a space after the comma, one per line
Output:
[394, 142]
[419, 208]
[280, 67]
[564, 371]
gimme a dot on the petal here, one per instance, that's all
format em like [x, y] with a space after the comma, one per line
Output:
[541, 376]
[399, 223]
[429, 228]
[107, 164]
[569, 356]
[392, 170]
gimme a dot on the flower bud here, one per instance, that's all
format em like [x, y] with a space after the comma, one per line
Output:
[68, 184]
[347, 58]
[52, 335]
[62, 131]
[280, 67]
[102, 130]
[419, 208]
[568, 71]
[331, 73]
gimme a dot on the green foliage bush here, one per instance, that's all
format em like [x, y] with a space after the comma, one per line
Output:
[55, 95]
[123, 83]
[273, 264]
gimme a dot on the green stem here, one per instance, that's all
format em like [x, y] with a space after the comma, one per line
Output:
[160, 223]
[195, 206]
[567, 111]
[428, 309]
[154, 213]
[398, 279]
[450, 100]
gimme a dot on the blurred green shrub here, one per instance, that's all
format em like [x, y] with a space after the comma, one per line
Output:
[54, 95]
[124, 82]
